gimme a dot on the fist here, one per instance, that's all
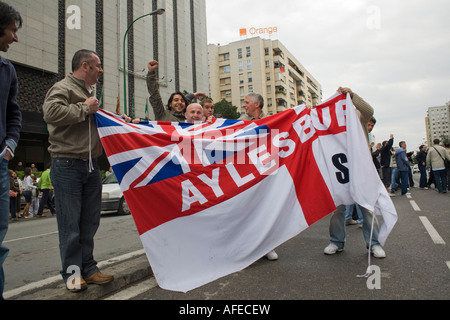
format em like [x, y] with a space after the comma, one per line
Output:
[92, 103]
[152, 65]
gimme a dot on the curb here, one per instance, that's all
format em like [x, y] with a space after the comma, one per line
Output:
[125, 273]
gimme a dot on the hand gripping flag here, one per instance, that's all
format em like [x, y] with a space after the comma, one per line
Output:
[210, 199]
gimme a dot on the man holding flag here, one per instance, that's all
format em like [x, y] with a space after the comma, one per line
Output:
[337, 222]
[74, 148]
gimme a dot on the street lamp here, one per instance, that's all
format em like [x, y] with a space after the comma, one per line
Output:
[125, 72]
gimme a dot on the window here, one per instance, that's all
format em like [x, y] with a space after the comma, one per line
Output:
[239, 53]
[249, 64]
[266, 51]
[240, 65]
[249, 52]
[226, 69]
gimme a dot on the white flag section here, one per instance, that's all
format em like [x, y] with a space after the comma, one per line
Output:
[205, 210]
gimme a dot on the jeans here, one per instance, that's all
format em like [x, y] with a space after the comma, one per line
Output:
[4, 218]
[337, 227]
[423, 176]
[349, 213]
[440, 178]
[78, 195]
[394, 175]
[404, 181]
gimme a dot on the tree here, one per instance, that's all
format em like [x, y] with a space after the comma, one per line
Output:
[444, 139]
[226, 110]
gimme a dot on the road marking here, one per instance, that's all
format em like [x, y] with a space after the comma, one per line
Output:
[31, 237]
[432, 231]
[414, 205]
[134, 290]
[448, 264]
[408, 195]
[39, 284]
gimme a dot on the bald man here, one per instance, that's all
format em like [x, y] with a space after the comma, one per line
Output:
[194, 113]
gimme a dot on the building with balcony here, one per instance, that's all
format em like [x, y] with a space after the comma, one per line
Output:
[53, 30]
[262, 66]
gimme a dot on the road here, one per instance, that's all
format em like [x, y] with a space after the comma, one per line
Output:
[34, 247]
[417, 266]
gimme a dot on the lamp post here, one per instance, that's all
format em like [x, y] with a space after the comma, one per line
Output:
[125, 71]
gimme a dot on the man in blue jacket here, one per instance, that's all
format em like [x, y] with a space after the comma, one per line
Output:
[403, 166]
[10, 120]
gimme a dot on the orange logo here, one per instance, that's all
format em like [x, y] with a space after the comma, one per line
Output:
[243, 32]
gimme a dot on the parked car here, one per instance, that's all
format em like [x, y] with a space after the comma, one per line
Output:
[112, 196]
[415, 168]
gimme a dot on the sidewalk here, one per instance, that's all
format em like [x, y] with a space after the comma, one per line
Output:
[125, 273]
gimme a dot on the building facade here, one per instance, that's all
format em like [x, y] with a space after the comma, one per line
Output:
[437, 123]
[262, 66]
[53, 30]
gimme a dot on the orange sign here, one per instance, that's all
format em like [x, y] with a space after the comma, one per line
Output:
[258, 31]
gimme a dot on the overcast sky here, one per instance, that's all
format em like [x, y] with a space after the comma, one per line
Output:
[395, 54]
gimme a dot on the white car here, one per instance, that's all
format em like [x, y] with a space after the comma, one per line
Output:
[112, 196]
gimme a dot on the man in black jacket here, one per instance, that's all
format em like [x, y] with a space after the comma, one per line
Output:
[421, 158]
[385, 162]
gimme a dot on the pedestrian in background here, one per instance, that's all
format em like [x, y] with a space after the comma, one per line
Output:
[10, 22]
[385, 161]
[28, 188]
[14, 190]
[447, 148]
[45, 187]
[34, 197]
[421, 158]
[74, 147]
[403, 167]
[436, 160]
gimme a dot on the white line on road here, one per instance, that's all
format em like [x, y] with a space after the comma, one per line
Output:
[437, 239]
[414, 205]
[134, 290]
[31, 237]
[448, 264]
[48, 281]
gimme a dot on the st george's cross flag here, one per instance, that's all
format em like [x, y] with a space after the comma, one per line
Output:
[210, 199]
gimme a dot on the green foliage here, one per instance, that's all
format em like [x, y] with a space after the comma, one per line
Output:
[226, 110]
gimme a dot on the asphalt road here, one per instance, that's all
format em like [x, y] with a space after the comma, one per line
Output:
[417, 266]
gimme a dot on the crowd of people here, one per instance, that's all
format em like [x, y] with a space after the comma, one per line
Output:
[35, 191]
[394, 165]
[74, 174]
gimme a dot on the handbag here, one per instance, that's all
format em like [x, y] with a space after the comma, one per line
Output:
[446, 162]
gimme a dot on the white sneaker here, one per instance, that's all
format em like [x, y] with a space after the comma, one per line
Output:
[272, 256]
[332, 249]
[378, 252]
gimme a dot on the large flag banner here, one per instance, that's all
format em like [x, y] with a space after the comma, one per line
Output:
[210, 199]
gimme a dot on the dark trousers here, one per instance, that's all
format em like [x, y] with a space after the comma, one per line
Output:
[78, 195]
[423, 176]
[45, 200]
